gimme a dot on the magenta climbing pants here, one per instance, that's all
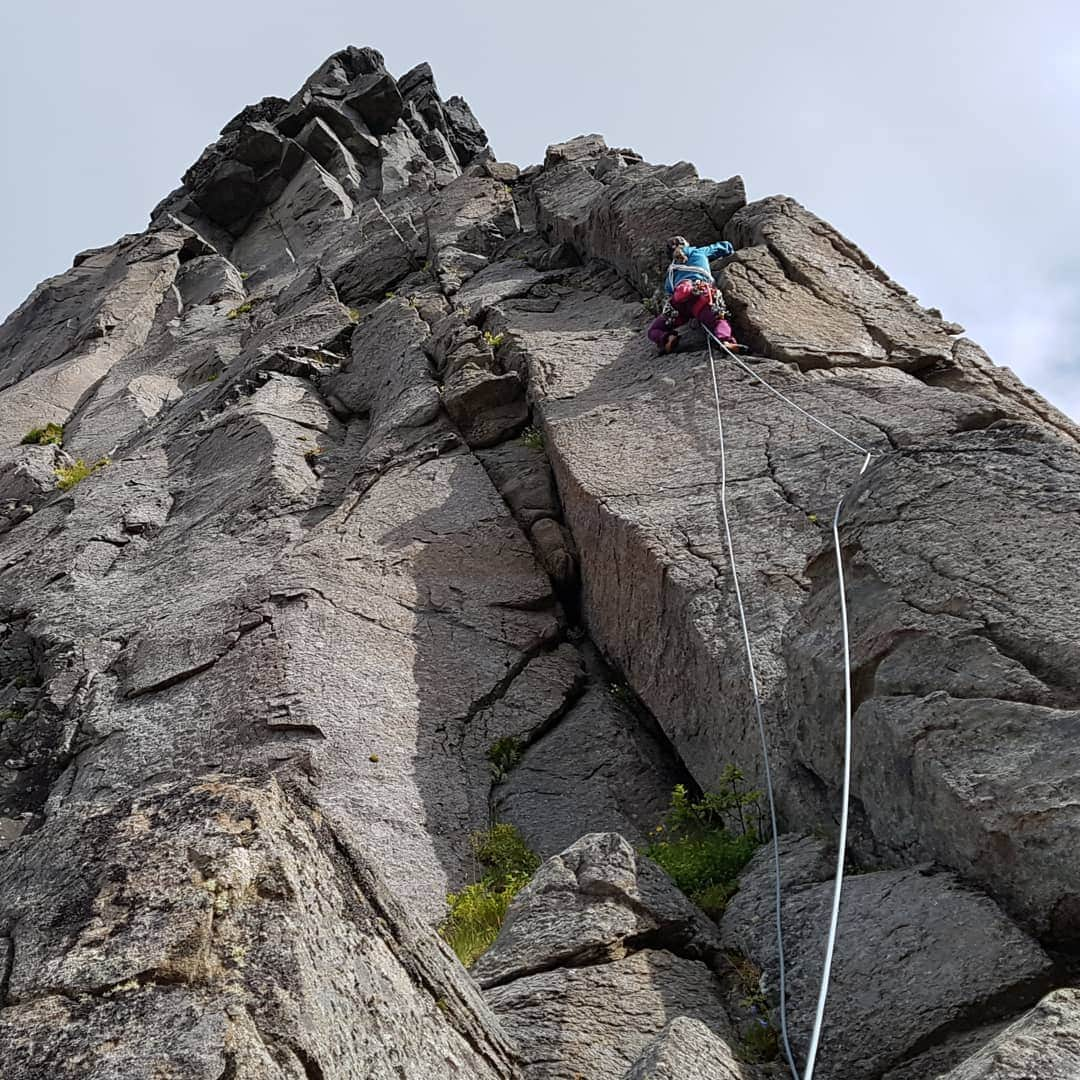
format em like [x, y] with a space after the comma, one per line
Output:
[659, 328]
[691, 303]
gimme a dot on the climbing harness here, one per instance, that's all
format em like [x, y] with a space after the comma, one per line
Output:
[838, 881]
[669, 279]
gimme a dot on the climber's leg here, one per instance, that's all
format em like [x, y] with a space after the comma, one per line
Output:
[658, 330]
[708, 316]
[662, 332]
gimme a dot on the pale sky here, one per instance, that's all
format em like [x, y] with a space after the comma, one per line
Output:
[942, 136]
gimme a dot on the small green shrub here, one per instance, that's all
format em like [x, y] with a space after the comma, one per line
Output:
[49, 435]
[244, 275]
[703, 845]
[214, 377]
[354, 315]
[533, 438]
[503, 853]
[68, 476]
[389, 295]
[477, 912]
[504, 755]
[493, 341]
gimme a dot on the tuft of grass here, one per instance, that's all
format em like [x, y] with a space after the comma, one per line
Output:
[389, 295]
[704, 844]
[354, 315]
[503, 853]
[476, 916]
[214, 377]
[49, 435]
[314, 453]
[68, 476]
[504, 755]
[493, 341]
[245, 308]
[477, 911]
[533, 438]
[244, 275]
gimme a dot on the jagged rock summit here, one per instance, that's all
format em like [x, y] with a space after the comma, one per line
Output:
[366, 468]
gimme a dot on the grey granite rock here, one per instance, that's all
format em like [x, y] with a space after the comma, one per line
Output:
[917, 956]
[273, 637]
[687, 1050]
[1043, 1043]
[595, 903]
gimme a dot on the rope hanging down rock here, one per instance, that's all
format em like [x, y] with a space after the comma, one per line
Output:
[838, 882]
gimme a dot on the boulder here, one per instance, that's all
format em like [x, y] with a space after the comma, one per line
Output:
[917, 954]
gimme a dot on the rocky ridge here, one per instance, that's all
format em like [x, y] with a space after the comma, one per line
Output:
[384, 472]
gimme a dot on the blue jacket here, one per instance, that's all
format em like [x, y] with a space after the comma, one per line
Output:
[696, 265]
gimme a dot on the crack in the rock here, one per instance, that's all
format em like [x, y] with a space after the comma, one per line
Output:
[361, 878]
[241, 631]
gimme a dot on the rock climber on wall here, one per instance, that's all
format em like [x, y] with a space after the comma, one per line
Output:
[691, 294]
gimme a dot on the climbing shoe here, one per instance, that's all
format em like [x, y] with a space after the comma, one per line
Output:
[671, 344]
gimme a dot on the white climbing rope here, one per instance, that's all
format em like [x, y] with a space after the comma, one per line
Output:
[838, 881]
[757, 710]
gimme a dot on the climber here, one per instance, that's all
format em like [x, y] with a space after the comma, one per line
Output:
[691, 294]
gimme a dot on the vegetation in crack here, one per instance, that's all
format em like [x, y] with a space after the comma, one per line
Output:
[758, 1036]
[67, 476]
[245, 308]
[49, 435]
[504, 755]
[478, 910]
[703, 844]
[533, 438]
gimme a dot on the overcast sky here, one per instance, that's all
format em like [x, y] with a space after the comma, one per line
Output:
[942, 136]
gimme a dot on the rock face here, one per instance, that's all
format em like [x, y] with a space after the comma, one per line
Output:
[375, 518]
